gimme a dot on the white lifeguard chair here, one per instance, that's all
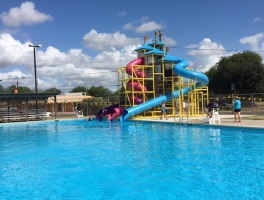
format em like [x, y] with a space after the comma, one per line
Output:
[215, 116]
[79, 114]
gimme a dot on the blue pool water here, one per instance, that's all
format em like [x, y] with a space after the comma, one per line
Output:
[76, 159]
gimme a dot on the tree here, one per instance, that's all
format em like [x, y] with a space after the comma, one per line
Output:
[25, 90]
[99, 91]
[244, 71]
[94, 91]
[52, 90]
[78, 89]
[10, 89]
[101, 97]
[2, 89]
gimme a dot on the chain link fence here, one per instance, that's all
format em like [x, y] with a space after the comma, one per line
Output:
[252, 104]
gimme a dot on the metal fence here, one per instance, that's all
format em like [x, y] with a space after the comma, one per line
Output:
[252, 104]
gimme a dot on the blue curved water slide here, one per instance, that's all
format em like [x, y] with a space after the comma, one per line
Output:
[179, 69]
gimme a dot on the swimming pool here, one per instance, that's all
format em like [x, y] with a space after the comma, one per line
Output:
[76, 159]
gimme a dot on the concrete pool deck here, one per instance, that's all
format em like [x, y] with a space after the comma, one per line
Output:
[250, 121]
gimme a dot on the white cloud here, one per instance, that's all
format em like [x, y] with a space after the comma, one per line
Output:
[24, 15]
[255, 41]
[12, 51]
[105, 41]
[206, 53]
[148, 27]
[169, 41]
[63, 70]
[75, 68]
[128, 26]
[16, 76]
[144, 27]
[257, 19]
[122, 13]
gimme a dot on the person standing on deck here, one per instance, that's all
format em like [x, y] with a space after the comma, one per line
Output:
[237, 109]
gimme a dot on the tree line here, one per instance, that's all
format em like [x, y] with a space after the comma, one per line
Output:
[94, 91]
[24, 89]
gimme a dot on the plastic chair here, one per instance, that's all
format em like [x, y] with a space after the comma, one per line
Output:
[215, 116]
[80, 114]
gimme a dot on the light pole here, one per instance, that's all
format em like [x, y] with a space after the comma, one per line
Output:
[35, 65]
[35, 69]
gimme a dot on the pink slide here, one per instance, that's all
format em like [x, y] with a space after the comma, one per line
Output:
[131, 69]
[137, 86]
[116, 112]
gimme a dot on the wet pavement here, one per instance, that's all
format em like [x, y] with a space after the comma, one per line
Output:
[225, 120]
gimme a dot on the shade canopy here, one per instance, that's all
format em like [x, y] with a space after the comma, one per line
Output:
[27, 96]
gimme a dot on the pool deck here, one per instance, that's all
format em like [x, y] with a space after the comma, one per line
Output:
[249, 121]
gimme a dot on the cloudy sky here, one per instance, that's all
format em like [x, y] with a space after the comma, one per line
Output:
[85, 42]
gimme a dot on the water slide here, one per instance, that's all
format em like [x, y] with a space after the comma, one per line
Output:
[115, 111]
[133, 68]
[179, 69]
[106, 111]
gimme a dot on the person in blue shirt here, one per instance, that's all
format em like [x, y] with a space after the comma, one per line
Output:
[163, 110]
[210, 107]
[237, 109]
